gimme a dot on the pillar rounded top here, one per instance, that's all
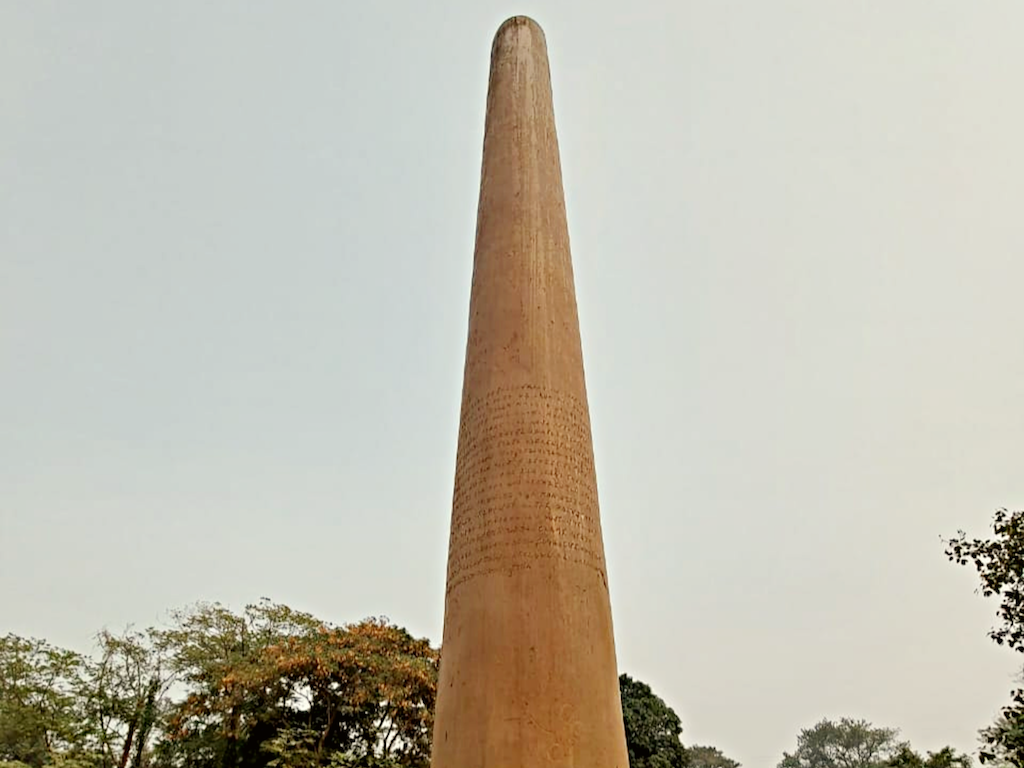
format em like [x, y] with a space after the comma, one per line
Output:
[521, 29]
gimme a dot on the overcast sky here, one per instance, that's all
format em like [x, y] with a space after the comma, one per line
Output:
[235, 253]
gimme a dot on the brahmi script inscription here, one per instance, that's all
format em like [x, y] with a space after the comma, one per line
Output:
[524, 485]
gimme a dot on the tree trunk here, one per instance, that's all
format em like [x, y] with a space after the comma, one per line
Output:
[146, 724]
[230, 757]
[128, 742]
[323, 736]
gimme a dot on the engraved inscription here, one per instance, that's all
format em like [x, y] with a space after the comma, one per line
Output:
[524, 485]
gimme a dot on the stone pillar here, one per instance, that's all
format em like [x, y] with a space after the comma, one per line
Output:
[528, 675]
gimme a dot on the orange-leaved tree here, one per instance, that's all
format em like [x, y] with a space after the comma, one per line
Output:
[361, 694]
[275, 687]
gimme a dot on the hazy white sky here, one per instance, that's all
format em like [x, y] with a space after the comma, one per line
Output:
[235, 253]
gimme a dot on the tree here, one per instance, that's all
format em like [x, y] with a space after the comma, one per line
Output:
[844, 744]
[944, 758]
[269, 686]
[40, 706]
[369, 690]
[222, 723]
[652, 728]
[999, 562]
[1003, 739]
[276, 687]
[126, 695]
[709, 757]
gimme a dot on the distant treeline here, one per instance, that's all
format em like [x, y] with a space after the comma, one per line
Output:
[275, 687]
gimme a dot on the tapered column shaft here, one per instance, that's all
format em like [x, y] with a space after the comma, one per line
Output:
[528, 673]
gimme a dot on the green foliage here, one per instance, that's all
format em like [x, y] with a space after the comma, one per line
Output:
[126, 692]
[999, 562]
[221, 722]
[1004, 740]
[272, 687]
[267, 687]
[844, 744]
[944, 758]
[709, 757]
[1000, 565]
[652, 728]
[40, 705]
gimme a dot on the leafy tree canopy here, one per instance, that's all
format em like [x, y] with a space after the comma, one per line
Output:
[275, 687]
[709, 757]
[41, 706]
[652, 728]
[269, 686]
[845, 743]
[999, 561]
[944, 758]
